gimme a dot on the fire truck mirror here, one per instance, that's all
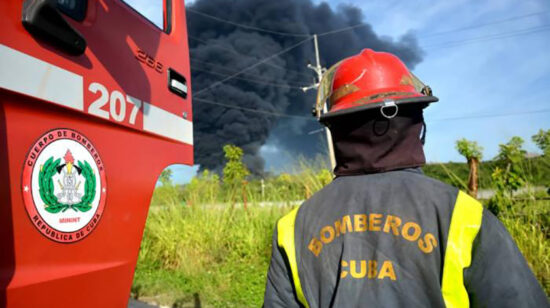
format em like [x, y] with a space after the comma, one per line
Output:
[43, 20]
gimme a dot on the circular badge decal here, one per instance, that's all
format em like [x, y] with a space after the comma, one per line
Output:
[64, 185]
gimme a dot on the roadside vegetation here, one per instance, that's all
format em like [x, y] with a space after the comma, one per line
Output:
[208, 243]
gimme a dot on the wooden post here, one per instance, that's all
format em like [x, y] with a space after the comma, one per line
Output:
[473, 177]
[244, 195]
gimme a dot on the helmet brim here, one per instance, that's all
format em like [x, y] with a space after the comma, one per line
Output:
[399, 102]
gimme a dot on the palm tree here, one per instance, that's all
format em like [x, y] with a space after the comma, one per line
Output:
[473, 154]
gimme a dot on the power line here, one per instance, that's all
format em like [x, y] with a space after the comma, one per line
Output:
[213, 45]
[445, 44]
[247, 26]
[279, 85]
[253, 66]
[306, 118]
[493, 115]
[441, 45]
[229, 71]
[257, 78]
[499, 36]
[277, 114]
[444, 32]
[495, 22]
[491, 37]
[239, 54]
[343, 29]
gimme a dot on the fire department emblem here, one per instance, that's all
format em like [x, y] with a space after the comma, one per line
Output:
[64, 185]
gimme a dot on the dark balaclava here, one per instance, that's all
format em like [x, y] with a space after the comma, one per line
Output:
[367, 142]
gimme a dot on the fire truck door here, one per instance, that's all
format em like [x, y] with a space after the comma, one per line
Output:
[94, 103]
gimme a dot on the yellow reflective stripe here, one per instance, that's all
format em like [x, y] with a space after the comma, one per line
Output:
[465, 224]
[285, 240]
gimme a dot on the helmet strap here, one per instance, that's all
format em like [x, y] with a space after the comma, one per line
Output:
[423, 137]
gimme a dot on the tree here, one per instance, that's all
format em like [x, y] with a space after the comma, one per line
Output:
[234, 172]
[542, 140]
[511, 152]
[508, 176]
[165, 177]
[473, 154]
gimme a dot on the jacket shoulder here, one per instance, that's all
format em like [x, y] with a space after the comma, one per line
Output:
[423, 179]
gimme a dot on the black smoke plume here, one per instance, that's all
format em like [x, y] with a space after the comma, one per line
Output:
[221, 49]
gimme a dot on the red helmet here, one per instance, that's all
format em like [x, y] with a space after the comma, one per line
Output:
[370, 80]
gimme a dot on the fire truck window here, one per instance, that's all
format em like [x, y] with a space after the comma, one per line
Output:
[152, 10]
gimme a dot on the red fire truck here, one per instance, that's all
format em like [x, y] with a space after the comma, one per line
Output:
[94, 103]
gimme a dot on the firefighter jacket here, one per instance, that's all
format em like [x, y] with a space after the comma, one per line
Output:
[396, 239]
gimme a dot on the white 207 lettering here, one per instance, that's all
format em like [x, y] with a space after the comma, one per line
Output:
[117, 104]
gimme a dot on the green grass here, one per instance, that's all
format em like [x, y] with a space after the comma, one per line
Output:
[201, 244]
[219, 255]
[529, 224]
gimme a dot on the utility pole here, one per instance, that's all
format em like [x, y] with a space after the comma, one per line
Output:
[320, 70]
[263, 189]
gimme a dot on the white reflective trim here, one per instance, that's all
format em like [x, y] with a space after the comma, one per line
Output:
[178, 85]
[28, 75]
[164, 123]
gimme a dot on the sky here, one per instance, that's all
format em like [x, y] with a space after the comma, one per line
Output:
[486, 60]
[506, 71]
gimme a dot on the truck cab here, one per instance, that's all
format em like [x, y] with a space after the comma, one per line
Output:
[95, 101]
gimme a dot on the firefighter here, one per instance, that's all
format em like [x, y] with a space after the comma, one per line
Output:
[382, 234]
